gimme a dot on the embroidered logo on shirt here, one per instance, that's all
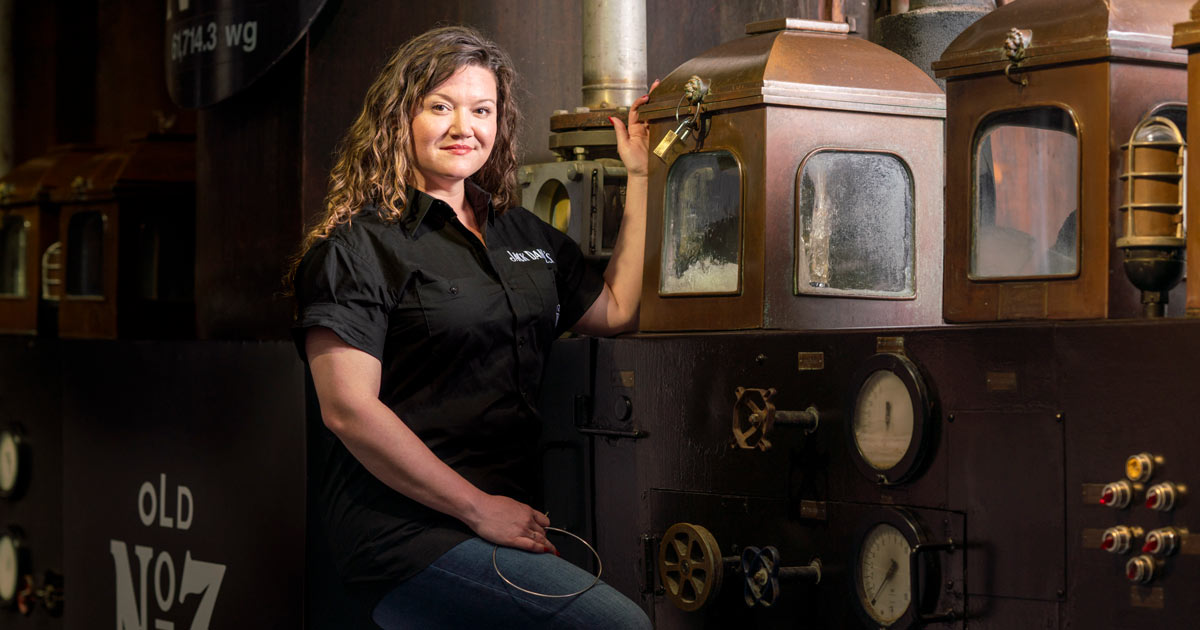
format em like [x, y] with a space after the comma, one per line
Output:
[530, 255]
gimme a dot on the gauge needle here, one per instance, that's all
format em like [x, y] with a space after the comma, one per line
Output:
[890, 572]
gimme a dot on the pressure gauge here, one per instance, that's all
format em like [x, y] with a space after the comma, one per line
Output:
[12, 462]
[889, 420]
[883, 571]
[14, 563]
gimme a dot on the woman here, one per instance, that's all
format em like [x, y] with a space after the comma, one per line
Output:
[427, 306]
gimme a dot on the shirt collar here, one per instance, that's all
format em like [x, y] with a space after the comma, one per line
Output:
[420, 203]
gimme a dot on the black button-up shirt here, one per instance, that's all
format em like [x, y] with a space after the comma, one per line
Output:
[462, 331]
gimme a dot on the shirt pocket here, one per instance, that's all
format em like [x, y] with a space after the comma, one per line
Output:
[457, 310]
[537, 296]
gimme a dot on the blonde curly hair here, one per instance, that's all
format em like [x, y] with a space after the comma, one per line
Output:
[374, 163]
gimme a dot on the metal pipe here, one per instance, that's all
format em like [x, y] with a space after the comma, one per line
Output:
[614, 52]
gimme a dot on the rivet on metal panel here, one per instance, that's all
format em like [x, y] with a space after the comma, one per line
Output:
[760, 359]
[1059, 417]
[950, 418]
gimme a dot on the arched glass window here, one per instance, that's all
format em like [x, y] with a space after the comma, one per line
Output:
[702, 235]
[855, 225]
[85, 255]
[1026, 201]
[12, 256]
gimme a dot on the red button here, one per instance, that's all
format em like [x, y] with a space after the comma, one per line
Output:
[1151, 545]
[1108, 542]
[1132, 572]
[1152, 499]
[1107, 497]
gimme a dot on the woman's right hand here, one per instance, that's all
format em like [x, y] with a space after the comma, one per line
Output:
[504, 521]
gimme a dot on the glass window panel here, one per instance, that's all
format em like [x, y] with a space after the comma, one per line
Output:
[702, 236]
[85, 254]
[12, 256]
[1024, 219]
[855, 225]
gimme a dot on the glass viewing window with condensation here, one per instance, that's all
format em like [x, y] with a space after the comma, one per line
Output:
[12, 256]
[1025, 215]
[702, 235]
[855, 224]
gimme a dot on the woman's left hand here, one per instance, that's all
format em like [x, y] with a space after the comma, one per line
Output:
[633, 139]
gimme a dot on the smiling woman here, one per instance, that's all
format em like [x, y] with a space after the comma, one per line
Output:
[427, 306]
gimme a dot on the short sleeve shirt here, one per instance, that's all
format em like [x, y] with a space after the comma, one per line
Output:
[462, 331]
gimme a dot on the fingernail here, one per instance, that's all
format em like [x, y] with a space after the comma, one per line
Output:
[611, 119]
[546, 550]
[557, 554]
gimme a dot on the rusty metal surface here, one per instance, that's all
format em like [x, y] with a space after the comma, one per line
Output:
[1065, 31]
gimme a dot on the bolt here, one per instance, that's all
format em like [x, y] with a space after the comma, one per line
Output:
[1058, 417]
[950, 418]
[760, 359]
[1061, 594]
[949, 585]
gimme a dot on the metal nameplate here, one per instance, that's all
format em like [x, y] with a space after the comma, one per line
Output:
[1188, 545]
[1092, 493]
[1146, 597]
[889, 345]
[625, 378]
[810, 361]
[814, 510]
[1001, 381]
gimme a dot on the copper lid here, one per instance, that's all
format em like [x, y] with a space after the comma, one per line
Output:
[803, 63]
[1187, 34]
[40, 177]
[152, 160]
[1066, 31]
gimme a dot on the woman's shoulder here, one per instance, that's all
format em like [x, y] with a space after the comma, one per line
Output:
[367, 233]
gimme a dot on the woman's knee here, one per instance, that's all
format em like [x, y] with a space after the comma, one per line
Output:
[614, 611]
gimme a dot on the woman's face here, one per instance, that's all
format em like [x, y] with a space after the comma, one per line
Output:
[454, 128]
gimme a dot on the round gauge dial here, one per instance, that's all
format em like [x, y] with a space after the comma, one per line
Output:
[10, 462]
[883, 571]
[889, 418]
[11, 567]
[883, 574]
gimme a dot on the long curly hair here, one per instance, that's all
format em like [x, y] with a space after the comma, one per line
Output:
[375, 164]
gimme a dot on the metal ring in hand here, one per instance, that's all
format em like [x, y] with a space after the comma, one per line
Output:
[599, 568]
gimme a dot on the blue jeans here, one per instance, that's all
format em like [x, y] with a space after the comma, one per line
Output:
[461, 590]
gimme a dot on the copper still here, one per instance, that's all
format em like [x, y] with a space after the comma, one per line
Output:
[777, 203]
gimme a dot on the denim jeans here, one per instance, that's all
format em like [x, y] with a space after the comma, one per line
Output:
[461, 590]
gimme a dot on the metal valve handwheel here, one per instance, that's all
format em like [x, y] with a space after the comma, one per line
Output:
[690, 565]
[753, 415]
[760, 568]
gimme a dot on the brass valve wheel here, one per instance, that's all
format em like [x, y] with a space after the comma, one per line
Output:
[753, 416]
[690, 566]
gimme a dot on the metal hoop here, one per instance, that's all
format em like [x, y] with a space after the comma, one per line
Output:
[599, 568]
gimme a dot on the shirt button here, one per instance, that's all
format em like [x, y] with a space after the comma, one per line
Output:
[520, 341]
[453, 290]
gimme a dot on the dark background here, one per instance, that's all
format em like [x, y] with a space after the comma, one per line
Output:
[92, 71]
